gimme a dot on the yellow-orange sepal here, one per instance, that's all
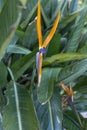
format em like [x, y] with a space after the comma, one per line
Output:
[39, 25]
[51, 34]
[67, 90]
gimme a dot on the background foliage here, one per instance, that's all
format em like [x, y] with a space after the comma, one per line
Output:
[23, 105]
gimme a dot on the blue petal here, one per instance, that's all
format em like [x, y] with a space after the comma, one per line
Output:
[42, 50]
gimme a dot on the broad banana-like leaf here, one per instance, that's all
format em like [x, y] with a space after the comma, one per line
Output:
[1, 4]
[19, 67]
[23, 2]
[81, 95]
[70, 72]
[9, 20]
[30, 35]
[30, 15]
[54, 8]
[17, 50]
[19, 113]
[83, 50]
[29, 7]
[63, 57]
[50, 114]
[54, 46]
[73, 6]
[31, 11]
[70, 121]
[45, 18]
[73, 43]
[68, 19]
[45, 90]
[59, 6]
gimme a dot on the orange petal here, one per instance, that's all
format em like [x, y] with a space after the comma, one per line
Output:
[49, 37]
[40, 69]
[39, 25]
[68, 91]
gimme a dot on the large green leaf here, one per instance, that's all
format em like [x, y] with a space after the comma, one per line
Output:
[1, 4]
[29, 7]
[50, 114]
[83, 49]
[80, 83]
[45, 18]
[72, 71]
[70, 121]
[8, 17]
[19, 113]
[27, 20]
[74, 6]
[73, 43]
[9, 20]
[17, 49]
[58, 5]
[30, 36]
[19, 67]
[54, 8]
[63, 57]
[30, 13]
[23, 2]
[68, 19]
[54, 46]
[45, 90]
[80, 97]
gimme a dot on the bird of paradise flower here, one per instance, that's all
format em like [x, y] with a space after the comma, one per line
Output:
[42, 46]
[67, 90]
